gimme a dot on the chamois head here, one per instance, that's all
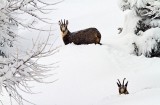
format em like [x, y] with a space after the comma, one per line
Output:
[122, 87]
[63, 26]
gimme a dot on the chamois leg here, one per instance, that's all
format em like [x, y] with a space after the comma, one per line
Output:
[100, 43]
[98, 40]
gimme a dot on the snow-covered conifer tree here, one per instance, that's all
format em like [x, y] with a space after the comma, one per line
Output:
[16, 69]
[142, 22]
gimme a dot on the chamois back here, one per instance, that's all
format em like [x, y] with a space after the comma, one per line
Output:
[86, 36]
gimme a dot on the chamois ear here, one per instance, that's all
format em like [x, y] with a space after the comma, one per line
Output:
[126, 84]
[118, 84]
[59, 22]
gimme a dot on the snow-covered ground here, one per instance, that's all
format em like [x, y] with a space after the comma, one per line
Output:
[87, 74]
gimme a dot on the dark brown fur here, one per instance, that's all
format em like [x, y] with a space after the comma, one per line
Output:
[86, 36]
[122, 87]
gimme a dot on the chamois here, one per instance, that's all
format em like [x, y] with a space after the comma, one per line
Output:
[122, 87]
[86, 36]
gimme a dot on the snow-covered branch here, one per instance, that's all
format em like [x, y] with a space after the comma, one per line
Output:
[143, 23]
[17, 69]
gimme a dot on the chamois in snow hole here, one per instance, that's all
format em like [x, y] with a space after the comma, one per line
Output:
[122, 87]
[86, 36]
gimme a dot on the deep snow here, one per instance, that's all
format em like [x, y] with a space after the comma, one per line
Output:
[87, 74]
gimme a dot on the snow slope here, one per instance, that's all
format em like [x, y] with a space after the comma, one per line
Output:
[94, 73]
[87, 74]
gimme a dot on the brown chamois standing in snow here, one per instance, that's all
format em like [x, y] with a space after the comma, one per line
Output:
[122, 87]
[86, 36]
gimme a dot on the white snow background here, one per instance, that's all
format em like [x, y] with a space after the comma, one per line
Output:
[87, 74]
